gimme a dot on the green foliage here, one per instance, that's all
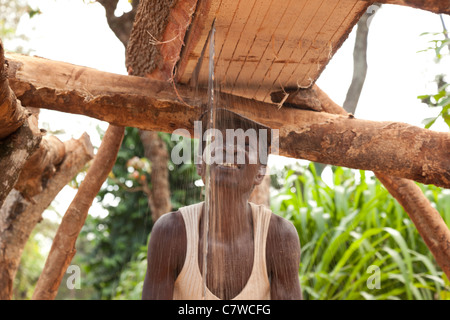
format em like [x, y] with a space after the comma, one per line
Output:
[347, 231]
[440, 99]
[356, 226]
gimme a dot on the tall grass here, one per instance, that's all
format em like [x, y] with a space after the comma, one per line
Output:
[357, 241]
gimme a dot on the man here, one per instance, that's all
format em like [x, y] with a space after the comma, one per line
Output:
[249, 252]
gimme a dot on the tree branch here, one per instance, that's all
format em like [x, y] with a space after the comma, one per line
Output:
[40, 167]
[12, 114]
[121, 26]
[427, 220]
[14, 153]
[397, 149]
[19, 216]
[63, 247]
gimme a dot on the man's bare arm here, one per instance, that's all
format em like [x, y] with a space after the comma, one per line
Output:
[283, 259]
[166, 255]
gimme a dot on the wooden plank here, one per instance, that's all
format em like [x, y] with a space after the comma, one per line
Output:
[228, 48]
[319, 54]
[285, 54]
[266, 45]
[224, 20]
[307, 42]
[261, 50]
[196, 38]
[255, 21]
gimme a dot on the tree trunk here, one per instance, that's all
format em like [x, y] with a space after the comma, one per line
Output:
[156, 152]
[396, 149]
[63, 247]
[19, 216]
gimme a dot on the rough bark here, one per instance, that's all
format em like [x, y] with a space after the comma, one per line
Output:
[427, 220]
[40, 167]
[12, 114]
[19, 216]
[156, 152]
[436, 6]
[396, 149]
[63, 246]
[158, 30]
[14, 152]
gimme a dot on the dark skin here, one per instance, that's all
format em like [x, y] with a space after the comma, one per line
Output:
[229, 240]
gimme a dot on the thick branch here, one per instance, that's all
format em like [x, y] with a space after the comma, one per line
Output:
[427, 220]
[63, 247]
[12, 114]
[40, 167]
[121, 26]
[14, 152]
[19, 216]
[397, 149]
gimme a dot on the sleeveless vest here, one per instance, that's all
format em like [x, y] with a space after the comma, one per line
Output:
[189, 286]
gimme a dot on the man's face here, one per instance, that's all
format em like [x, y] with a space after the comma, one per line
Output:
[233, 158]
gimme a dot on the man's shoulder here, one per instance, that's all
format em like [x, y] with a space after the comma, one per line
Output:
[281, 228]
[282, 223]
[168, 221]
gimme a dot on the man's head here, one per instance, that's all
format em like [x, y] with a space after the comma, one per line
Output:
[237, 149]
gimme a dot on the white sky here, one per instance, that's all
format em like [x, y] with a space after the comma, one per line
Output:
[77, 32]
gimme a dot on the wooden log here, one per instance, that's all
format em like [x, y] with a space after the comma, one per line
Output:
[63, 246]
[19, 216]
[397, 149]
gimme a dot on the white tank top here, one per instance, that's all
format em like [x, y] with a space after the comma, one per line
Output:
[188, 285]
